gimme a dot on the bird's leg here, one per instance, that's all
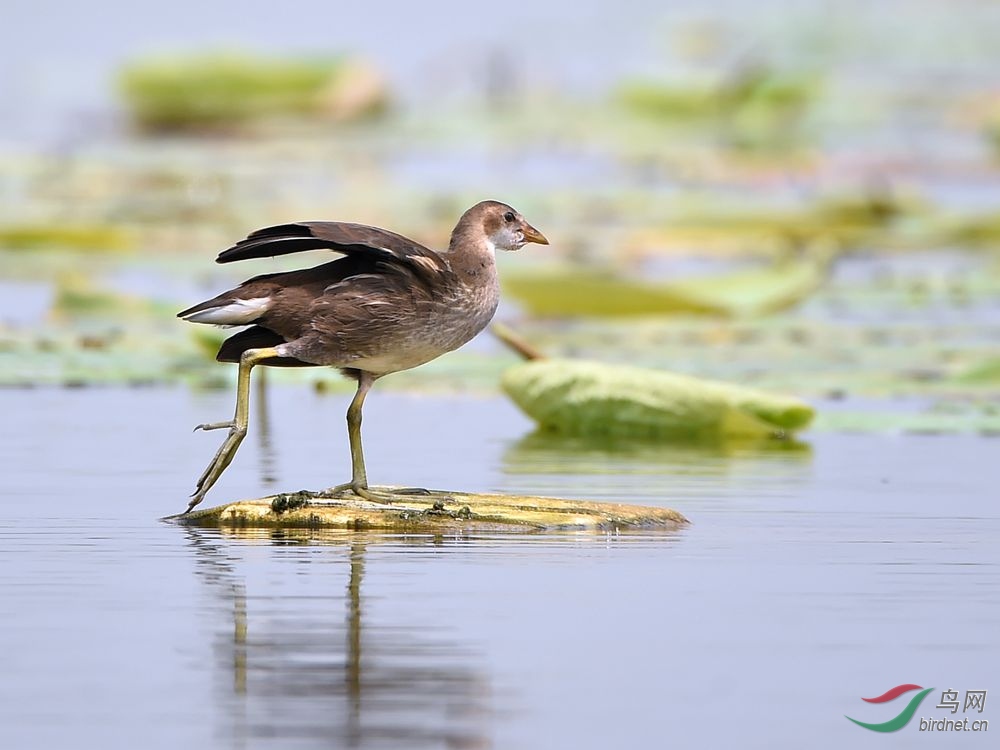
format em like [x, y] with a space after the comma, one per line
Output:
[237, 426]
[359, 478]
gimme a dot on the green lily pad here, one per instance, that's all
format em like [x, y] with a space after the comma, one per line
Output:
[981, 230]
[226, 90]
[756, 90]
[986, 372]
[971, 421]
[564, 291]
[579, 397]
[60, 235]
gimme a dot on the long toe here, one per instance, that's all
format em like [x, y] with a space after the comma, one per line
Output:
[215, 426]
[385, 498]
[198, 497]
[218, 464]
[339, 489]
[362, 491]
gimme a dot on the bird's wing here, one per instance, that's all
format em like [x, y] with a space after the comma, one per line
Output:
[343, 237]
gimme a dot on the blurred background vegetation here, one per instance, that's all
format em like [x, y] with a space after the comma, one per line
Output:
[803, 196]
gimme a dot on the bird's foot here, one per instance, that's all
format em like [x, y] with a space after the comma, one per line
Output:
[198, 496]
[385, 497]
[215, 426]
[219, 463]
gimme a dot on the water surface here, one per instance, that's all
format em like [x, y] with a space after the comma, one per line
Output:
[810, 576]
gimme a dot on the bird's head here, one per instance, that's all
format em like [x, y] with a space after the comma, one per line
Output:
[502, 226]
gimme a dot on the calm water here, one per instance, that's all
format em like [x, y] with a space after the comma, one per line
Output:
[810, 577]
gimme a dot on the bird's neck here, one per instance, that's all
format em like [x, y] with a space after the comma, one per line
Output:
[473, 259]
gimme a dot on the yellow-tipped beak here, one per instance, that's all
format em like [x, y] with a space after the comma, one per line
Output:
[533, 235]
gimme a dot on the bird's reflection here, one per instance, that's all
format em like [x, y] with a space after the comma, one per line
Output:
[299, 673]
[353, 671]
[268, 460]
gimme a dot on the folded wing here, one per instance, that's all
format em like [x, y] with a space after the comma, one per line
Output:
[342, 237]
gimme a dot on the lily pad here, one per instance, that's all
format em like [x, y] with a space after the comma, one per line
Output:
[579, 397]
[223, 90]
[986, 372]
[981, 230]
[565, 291]
[60, 235]
[755, 89]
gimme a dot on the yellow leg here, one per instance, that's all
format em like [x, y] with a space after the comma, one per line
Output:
[359, 478]
[237, 426]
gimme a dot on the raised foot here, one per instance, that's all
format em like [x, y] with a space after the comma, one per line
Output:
[215, 426]
[218, 464]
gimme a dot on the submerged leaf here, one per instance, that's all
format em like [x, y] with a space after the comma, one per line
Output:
[594, 398]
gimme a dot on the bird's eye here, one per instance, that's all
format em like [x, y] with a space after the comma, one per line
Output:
[509, 216]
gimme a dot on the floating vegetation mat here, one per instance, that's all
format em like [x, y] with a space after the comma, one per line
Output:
[439, 511]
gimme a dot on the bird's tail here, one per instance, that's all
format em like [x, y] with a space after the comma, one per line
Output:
[256, 337]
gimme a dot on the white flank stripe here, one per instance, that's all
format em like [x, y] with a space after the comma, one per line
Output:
[237, 313]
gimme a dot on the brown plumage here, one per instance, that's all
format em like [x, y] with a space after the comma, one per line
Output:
[389, 304]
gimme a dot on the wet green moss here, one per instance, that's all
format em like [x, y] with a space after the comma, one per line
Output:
[290, 501]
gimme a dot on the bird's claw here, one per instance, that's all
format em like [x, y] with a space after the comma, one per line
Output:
[387, 497]
[215, 426]
[219, 463]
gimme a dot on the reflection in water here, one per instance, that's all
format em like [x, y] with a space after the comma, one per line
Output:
[300, 676]
[573, 462]
[555, 453]
[267, 454]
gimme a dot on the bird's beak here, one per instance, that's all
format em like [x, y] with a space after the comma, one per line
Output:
[533, 235]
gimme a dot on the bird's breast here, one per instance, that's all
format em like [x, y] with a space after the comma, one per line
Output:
[446, 324]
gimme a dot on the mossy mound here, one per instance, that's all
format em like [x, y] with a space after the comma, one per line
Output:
[436, 512]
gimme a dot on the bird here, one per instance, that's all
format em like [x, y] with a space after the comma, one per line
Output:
[388, 304]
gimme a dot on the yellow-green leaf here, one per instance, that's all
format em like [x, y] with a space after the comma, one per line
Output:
[579, 397]
[566, 291]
